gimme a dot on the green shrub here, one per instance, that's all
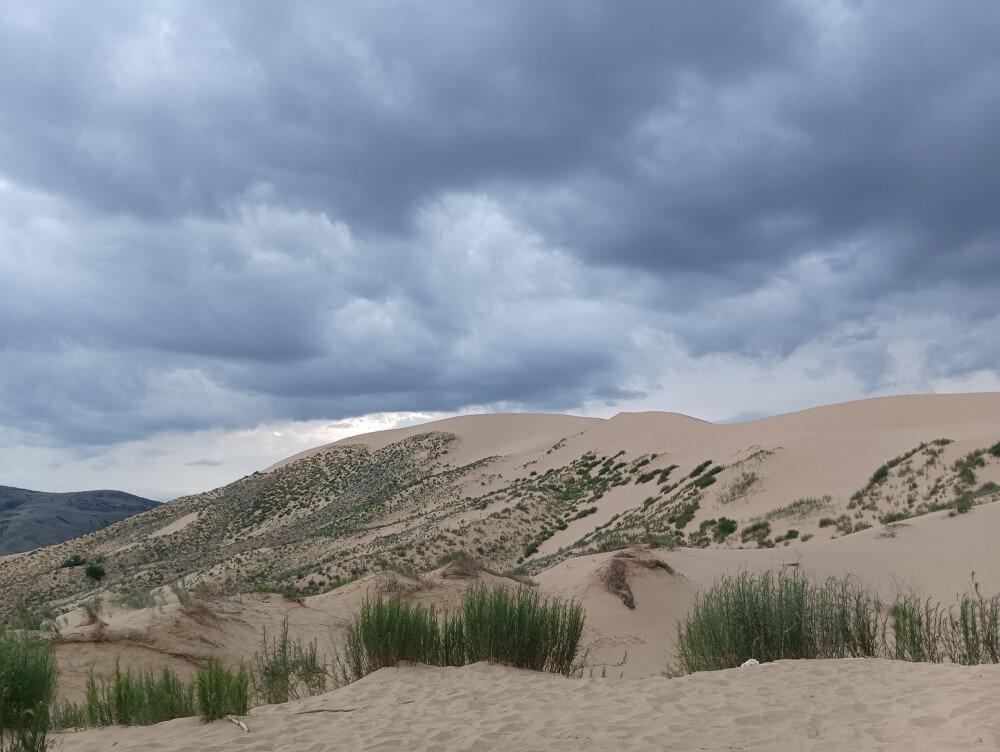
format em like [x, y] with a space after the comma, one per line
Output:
[684, 513]
[131, 699]
[95, 571]
[286, 669]
[801, 509]
[73, 561]
[699, 469]
[917, 629]
[516, 627]
[28, 675]
[520, 628]
[221, 692]
[964, 503]
[758, 531]
[995, 450]
[25, 618]
[708, 478]
[890, 517]
[723, 529]
[135, 598]
[770, 617]
[92, 608]
[879, 475]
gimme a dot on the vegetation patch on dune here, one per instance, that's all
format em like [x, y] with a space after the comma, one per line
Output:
[770, 617]
[515, 626]
[28, 675]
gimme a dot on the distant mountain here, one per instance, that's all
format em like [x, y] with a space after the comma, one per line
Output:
[31, 519]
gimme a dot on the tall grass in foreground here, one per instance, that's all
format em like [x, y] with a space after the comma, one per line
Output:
[129, 699]
[516, 627]
[770, 617]
[221, 692]
[28, 675]
[286, 669]
[144, 698]
[967, 633]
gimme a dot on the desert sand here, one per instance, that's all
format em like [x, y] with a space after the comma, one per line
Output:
[842, 704]
[788, 705]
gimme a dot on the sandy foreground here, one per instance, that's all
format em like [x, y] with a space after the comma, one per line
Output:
[852, 704]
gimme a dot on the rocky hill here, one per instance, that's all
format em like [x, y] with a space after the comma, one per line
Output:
[32, 519]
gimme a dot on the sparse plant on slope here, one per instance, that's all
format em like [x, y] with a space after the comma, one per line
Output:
[285, 669]
[95, 571]
[739, 487]
[92, 609]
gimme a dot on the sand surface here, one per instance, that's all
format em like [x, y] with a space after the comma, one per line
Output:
[790, 705]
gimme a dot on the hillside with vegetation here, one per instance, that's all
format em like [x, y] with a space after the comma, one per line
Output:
[523, 492]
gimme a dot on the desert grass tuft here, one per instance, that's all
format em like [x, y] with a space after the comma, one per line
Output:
[770, 617]
[129, 699]
[285, 669]
[28, 675]
[514, 626]
[221, 692]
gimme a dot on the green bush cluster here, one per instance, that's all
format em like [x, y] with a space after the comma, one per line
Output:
[145, 698]
[517, 627]
[286, 669]
[28, 675]
[136, 700]
[771, 617]
[221, 692]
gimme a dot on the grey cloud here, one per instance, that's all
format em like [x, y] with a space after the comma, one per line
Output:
[218, 215]
[205, 463]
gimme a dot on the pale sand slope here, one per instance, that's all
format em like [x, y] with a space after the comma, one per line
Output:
[790, 705]
[825, 450]
[934, 555]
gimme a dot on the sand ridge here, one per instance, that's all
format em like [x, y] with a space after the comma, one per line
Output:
[852, 704]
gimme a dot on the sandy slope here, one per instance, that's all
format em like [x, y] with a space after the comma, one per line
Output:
[854, 704]
[789, 705]
[933, 555]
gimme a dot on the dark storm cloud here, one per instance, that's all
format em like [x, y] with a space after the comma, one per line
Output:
[218, 214]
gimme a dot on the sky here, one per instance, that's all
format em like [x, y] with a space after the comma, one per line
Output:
[233, 230]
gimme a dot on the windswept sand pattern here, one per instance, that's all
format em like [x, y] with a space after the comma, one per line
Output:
[790, 705]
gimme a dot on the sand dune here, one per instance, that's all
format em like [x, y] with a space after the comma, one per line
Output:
[789, 705]
[490, 487]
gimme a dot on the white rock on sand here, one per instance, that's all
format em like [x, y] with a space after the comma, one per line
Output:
[795, 705]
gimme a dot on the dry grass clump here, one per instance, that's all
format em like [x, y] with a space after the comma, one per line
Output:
[92, 608]
[194, 602]
[616, 575]
[464, 566]
[400, 585]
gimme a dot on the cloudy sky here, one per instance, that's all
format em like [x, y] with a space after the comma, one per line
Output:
[232, 230]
